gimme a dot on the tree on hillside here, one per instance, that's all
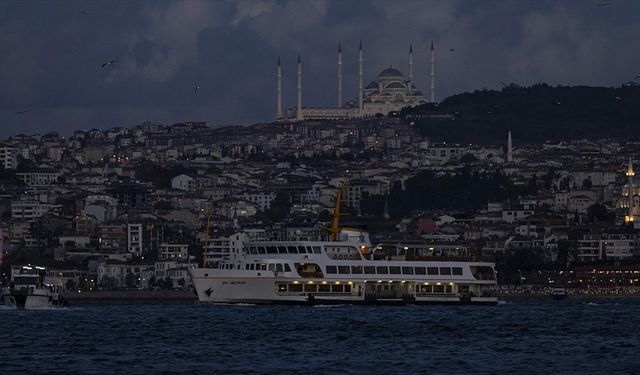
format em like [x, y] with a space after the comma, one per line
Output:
[599, 213]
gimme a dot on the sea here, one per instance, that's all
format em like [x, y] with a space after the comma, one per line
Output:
[600, 336]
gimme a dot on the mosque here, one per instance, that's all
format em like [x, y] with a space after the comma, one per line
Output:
[390, 91]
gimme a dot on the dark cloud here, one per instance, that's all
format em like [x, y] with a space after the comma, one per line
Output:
[50, 54]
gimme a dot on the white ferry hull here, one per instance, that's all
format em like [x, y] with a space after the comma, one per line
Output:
[264, 290]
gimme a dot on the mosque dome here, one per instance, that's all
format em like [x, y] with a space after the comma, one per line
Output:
[395, 85]
[390, 72]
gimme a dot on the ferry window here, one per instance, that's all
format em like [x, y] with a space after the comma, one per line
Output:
[332, 269]
[282, 250]
[369, 270]
[252, 266]
[292, 249]
[448, 289]
[279, 267]
[310, 288]
[445, 271]
[246, 266]
[438, 288]
[316, 250]
[432, 270]
[394, 270]
[263, 267]
[382, 270]
[252, 250]
[287, 268]
[407, 270]
[426, 288]
[356, 270]
[347, 288]
[272, 250]
[271, 267]
[324, 288]
[457, 270]
[295, 287]
[309, 250]
[282, 287]
[343, 269]
[420, 271]
[300, 249]
[337, 288]
[262, 250]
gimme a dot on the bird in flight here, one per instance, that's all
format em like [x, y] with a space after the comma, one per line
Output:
[604, 4]
[195, 88]
[22, 112]
[108, 63]
[451, 50]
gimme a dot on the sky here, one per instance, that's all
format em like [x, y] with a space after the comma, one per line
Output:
[51, 54]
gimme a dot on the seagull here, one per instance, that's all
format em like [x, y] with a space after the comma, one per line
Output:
[604, 4]
[195, 88]
[451, 50]
[22, 112]
[83, 12]
[108, 63]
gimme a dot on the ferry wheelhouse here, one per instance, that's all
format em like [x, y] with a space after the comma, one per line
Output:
[346, 269]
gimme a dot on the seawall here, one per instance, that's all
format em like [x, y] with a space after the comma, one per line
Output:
[132, 295]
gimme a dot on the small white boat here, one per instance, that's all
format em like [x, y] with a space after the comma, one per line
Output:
[559, 293]
[29, 289]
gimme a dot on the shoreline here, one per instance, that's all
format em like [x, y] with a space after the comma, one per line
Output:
[188, 295]
[133, 295]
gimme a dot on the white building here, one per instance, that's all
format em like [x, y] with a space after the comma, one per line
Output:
[134, 238]
[39, 178]
[183, 182]
[262, 199]
[8, 157]
[29, 209]
[169, 251]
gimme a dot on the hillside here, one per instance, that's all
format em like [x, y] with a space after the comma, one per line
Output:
[533, 114]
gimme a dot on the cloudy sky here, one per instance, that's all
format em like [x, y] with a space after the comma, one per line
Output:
[51, 52]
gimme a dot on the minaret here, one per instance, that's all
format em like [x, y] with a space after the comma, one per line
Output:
[360, 81]
[410, 69]
[509, 148]
[630, 192]
[432, 84]
[299, 116]
[279, 114]
[339, 75]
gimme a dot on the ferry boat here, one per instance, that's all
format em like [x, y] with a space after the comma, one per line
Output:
[30, 289]
[343, 270]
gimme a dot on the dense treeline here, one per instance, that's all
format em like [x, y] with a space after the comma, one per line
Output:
[463, 191]
[534, 114]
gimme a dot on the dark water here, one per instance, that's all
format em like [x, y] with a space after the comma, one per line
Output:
[546, 337]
